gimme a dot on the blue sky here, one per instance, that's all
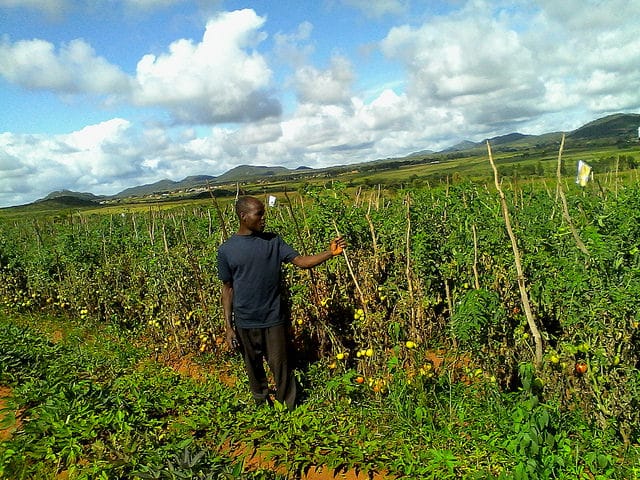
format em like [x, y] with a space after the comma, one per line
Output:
[101, 95]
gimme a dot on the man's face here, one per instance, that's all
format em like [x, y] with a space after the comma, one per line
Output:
[253, 218]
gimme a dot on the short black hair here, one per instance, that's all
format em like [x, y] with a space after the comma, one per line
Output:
[242, 204]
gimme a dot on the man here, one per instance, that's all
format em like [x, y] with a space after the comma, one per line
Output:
[249, 266]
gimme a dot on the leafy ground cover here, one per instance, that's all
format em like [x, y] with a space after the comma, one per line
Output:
[92, 405]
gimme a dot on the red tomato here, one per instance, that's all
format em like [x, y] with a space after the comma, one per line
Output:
[581, 367]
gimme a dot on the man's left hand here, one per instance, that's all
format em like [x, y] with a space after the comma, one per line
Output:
[337, 245]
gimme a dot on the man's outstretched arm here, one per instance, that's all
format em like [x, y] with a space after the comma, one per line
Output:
[310, 261]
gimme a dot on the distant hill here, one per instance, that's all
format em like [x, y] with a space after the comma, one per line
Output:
[620, 126]
[147, 189]
[610, 130]
[505, 139]
[165, 186]
[237, 174]
[420, 153]
[251, 172]
[65, 201]
[461, 146]
[196, 180]
[494, 141]
[66, 195]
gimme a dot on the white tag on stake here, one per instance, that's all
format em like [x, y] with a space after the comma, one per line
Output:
[584, 172]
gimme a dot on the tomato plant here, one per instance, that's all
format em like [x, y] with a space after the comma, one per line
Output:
[429, 265]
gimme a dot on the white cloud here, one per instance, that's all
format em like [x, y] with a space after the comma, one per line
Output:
[220, 79]
[96, 158]
[558, 93]
[331, 86]
[73, 69]
[488, 68]
[105, 150]
[585, 16]
[110, 156]
[294, 48]
[452, 59]
[260, 133]
[498, 67]
[479, 72]
[10, 165]
[387, 111]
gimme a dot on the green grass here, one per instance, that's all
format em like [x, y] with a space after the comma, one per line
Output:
[95, 406]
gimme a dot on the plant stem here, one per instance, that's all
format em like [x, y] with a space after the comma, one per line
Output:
[535, 332]
[565, 208]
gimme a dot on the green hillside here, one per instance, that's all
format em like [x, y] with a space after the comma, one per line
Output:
[601, 139]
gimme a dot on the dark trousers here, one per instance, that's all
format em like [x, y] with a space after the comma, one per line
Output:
[258, 344]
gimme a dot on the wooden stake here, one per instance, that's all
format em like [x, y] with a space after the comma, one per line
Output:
[565, 208]
[408, 271]
[475, 257]
[535, 332]
[376, 258]
[223, 225]
[353, 277]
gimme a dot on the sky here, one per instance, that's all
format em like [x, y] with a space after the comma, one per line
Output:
[101, 95]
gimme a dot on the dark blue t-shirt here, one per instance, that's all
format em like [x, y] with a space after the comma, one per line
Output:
[252, 264]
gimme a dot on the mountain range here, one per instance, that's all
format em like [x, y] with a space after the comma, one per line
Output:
[610, 130]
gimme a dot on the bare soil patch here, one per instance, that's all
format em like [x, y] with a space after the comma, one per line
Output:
[187, 366]
[255, 459]
[6, 433]
[57, 336]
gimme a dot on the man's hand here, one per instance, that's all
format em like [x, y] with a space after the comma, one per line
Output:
[337, 245]
[231, 339]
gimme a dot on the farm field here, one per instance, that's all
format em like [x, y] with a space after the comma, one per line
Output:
[460, 336]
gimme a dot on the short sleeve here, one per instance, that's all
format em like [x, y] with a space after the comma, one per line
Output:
[287, 252]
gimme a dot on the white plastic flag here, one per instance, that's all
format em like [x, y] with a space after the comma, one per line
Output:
[584, 172]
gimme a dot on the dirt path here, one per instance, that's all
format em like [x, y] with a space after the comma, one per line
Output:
[257, 460]
[325, 474]
[5, 433]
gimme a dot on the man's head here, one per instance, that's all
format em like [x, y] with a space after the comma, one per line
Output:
[250, 212]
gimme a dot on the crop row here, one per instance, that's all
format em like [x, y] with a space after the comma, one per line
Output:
[428, 280]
